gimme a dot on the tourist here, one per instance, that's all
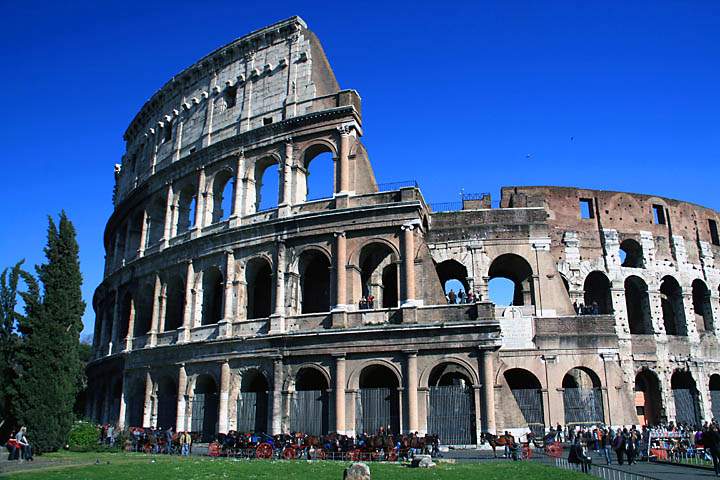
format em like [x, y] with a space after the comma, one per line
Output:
[619, 446]
[24, 445]
[605, 444]
[168, 440]
[578, 456]
[451, 297]
[461, 296]
[631, 445]
[371, 302]
[185, 444]
[109, 436]
[711, 442]
[558, 433]
[470, 297]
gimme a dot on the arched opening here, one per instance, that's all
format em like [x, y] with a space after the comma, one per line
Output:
[143, 309]
[451, 405]
[267, 186]
[378, 275]
[120, 248]
[135, 407]
[187, 202]
[527, 392]
[702, 306]
[637, 303]
[258, 274]
[378, 404]
[309, 408]
[222, 195]
[453, 277]
[518, 271]
[597, 293]
[715, 396]
[582, 397]
[648, 399]
[314, 282]
[252, 403]
[205, 408]
[136, 227]
[687, 399]
[127, 308]
[155, 221]
[174, 303]
[166, 403]
[320, 172]
[116, 396]
[212, 296]
[631, 254]
[673, 311]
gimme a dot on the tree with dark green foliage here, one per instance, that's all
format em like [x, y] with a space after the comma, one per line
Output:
[49, 356]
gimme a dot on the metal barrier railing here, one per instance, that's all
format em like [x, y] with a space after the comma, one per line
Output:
[600, 471]
[389, 186]
[697, 457]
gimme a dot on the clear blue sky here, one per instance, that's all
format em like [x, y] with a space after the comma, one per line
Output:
[454, 95]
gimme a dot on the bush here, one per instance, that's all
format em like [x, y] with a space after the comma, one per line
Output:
[84, 437]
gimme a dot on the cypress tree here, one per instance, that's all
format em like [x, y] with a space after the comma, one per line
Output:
[50, 361]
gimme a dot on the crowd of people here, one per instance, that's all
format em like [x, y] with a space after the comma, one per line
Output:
[460, 297]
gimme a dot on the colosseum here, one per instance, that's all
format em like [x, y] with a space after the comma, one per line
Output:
[221, 309]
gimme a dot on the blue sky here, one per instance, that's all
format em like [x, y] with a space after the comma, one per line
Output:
[473, 96]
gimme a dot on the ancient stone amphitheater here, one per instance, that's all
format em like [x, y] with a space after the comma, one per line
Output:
[218, 314]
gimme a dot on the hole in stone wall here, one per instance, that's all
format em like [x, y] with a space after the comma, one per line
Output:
[586, 208]
[658, 215]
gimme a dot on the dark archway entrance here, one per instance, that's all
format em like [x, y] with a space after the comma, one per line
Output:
[259, 277]
[205, 408]
[309, 409]
[702, 306]
[648, 400]
[212, 308]
[597, 292]
[527, 391]
[378, 404]
[315, 282]
[582, 397]
[673, 311]
[378, 274]
[715, 396]
[252, 403]
[167, 403]
[637, 303]
[451, 405]
[687, 399]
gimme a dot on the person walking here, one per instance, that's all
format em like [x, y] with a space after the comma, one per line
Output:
[185, 443]
[631, 446]
[606, 446]
[619, 446]
[711, 442]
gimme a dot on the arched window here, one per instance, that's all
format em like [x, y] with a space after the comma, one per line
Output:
[516, 271]
[631, 254]
[451, 405]
[597, 293]
[174, 303]
[155, 221]
[453, 277]
[648, 398]
[315, 282]
[637, 304]
[267, 186]
[527, 392]
[143, 309]
[582, 397]
[378, 274]
[309, 408]
[687, 399]
[673, 310]
[702, 306]
[223, 187]
[258, 274]
[252, 404]
[187, 202]
[379, 402]
[212, 296]
[319, 169]
[205, 408]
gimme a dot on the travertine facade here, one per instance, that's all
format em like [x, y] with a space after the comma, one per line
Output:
[215, 315]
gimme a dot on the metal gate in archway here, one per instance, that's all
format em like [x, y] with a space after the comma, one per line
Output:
[687, 409]
[715, 403]
[252, 411]
[204, 415]
[308, 412]
[375, 408]
[530, 402]
[167, 410]
[583, 406]
[451, 414]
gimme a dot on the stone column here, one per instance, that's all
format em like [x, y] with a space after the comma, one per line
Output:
[131, 326]
[412, 391]
[102, 341]
[182, 386]
[340, 273]
[226, 322]
[115, 324]
[143, 234]
[286, 184]
[163, 308]
[200, 201]
[224, 397]
[340, 425]
[277, 319]
[184, 334]
[167, 231]
[408, 264]
[239, 187]
[157, 305]
[488, 390]
[343, 184]
[147, 404]
[276, 427]
[123, 403]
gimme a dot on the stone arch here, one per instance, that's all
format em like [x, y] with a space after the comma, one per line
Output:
[309, 410]
[323, 152]
[134, 399]
[204, 404]
[166, 395]
[253, 401]
[268, 197]
[449, 270]
[597, 292]
[212, 295]
[155, 220]
[186, 206]
[582, 397]
[702, 306]
[686, 397]
[528, 409]
[378, 399]
[451, 403]
[314, 269]
[137, 224]
[377, 263]
[222, 188]
[259, 281]
[174, 302]
[143, 308]
[353, 381]
[290, 381]
[631, 254]
[673, 310]
[518, 270]
[637, 303]
[424, 379]
[127, 307]
[648, 397]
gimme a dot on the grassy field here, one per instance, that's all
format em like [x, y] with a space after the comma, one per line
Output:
[134, 466]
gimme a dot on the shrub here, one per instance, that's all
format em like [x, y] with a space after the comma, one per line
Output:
[84, 437]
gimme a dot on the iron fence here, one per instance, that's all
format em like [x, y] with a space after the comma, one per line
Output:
[686, 406]
[451, 414]
[389, 186]
[599, 471]
[446, 206]
[583, 406]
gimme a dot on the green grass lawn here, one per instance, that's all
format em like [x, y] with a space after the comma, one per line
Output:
[138, 466]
